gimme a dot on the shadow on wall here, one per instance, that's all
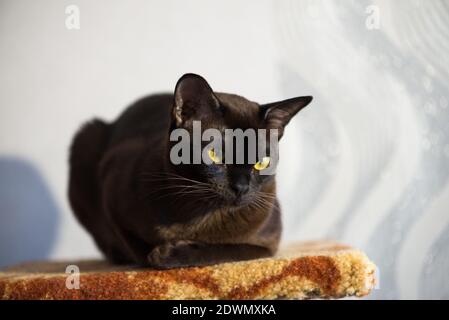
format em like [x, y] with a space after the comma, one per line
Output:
[28, 213]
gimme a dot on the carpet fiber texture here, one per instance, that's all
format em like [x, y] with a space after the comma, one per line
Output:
[319, 269]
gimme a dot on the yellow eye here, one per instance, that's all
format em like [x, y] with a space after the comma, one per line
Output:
[213, 156]
[260, 165]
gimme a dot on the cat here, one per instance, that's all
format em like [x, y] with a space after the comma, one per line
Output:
[142, 209]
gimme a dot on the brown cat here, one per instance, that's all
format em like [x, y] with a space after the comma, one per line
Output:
[141, 208]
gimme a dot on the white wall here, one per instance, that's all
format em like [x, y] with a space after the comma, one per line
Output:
[53, 78]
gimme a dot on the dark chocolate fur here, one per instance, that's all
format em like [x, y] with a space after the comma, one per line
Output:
[125, 191]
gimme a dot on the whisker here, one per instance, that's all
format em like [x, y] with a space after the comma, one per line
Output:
[170, 176]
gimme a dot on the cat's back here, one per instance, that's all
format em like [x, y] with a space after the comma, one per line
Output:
[147, 117]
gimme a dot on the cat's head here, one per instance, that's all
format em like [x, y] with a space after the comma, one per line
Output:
[224, 177]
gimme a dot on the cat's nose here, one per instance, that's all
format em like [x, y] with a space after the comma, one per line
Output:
[240, 188]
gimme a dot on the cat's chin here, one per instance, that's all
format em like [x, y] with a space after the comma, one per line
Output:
[238, 203]
[236, 207]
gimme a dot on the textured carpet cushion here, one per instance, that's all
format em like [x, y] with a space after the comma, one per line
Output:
[304, 270]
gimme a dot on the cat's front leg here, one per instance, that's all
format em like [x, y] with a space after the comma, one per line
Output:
[188, 253]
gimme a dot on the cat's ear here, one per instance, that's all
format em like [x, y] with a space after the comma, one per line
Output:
[278, 114]
[194, 100]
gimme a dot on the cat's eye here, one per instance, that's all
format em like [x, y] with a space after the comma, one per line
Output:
[263, 164]
[213, 156]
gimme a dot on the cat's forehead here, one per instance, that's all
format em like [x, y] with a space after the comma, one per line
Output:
[240, 112]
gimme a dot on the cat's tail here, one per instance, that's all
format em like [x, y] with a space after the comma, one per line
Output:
[86, 152]
[89, 144]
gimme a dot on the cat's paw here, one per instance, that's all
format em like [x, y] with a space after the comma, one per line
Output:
[159, 254]
[172, 255]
